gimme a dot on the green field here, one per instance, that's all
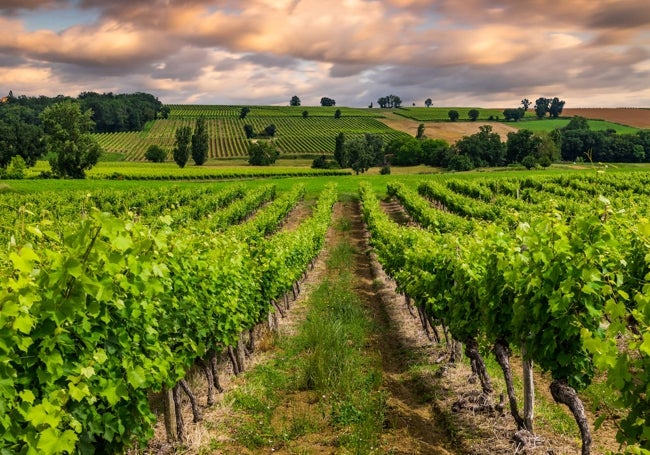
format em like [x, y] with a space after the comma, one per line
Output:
[551, 124]
[441, 114]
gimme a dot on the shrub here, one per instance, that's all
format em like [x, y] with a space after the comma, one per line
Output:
[385, 170]
[529, 162]
[262, 153]
[155, 154]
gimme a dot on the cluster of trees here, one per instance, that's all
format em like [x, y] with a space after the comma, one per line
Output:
[391, 101]
[574, 142]
[553, 107]
[269, 131]
[23, 131]
[482, 149]
[486, 148]
[325, 101]
[578, 142]
[359, 152]
[190, 143]
[406, 151]
[122, 112]
[54, 127]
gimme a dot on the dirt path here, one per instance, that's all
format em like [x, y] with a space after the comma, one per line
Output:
[414, 428]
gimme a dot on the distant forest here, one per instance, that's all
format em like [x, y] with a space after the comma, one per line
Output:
[111, 112]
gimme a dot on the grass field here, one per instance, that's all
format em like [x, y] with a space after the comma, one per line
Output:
[551, 124]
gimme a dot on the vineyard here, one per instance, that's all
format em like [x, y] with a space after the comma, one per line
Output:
[547, 267]
[295, 135]
[99, 308]
[110, 294]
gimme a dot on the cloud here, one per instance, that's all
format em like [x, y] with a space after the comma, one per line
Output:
[351, 50]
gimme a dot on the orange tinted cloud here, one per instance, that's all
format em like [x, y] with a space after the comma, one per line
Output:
[492, 50]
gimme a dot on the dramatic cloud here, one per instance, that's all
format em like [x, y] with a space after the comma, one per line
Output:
[478, 52]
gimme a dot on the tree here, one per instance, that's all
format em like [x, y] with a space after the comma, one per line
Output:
[428, 102]
[339, 150]
[541, 107]
[358, 154]
[19, 138]
[337, 113]
[305, 114]
[453, 115]
[521, 144]
[164, 111]
[325, 101]
[473, 114]
[556, 107]
[181, 151]
[295, 101]
[244, 112]
[420, 133]
[155, 154]
[200, 142]
[248, 131]
[375, 144]
[67, 136]
[270, 130]
[262, 153]
[526, 104]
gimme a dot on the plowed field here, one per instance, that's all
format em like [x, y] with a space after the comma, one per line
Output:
[636, 117]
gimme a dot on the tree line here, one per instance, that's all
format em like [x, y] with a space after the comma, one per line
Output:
[574, 142]
[26, 135]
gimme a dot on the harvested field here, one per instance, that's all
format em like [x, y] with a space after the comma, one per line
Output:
[449, 131]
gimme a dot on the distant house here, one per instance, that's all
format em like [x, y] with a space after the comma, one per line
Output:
[4, 99]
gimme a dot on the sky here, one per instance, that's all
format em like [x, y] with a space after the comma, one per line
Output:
[480, 53]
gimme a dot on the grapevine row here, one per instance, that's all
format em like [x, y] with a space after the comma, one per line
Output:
[552, 287]
[97, 318]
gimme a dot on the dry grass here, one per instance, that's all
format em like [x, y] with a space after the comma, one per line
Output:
[449, 131]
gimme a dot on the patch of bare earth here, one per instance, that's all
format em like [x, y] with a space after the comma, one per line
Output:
[413, 425]
[449, 131]
[639, 118]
